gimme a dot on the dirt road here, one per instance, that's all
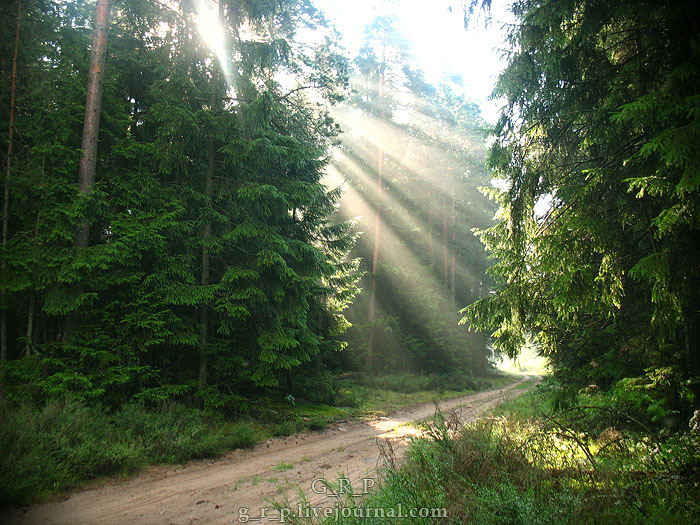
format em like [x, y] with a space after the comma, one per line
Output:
[242, 486]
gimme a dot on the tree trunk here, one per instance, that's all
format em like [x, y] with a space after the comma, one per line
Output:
[453, 263]
[444, 243]
[6, 195]
[377, 223]
[204, 310]
[93, 106]
[208, 196]
[430, 230]
[203, 356]
[30, 327]
[373, 274]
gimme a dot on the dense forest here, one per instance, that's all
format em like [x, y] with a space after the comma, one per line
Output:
[597, 248]
[197, 250]
[200, 254]
[214, 206]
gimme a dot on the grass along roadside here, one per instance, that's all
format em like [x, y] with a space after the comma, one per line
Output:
[384, 396]
[45, 451]
[527, 464]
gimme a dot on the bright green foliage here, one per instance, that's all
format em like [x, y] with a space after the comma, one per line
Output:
[597, 252]
[122, 317]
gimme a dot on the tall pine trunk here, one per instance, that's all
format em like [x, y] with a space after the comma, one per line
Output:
[204, 309]
[375, 260]
[444, 243]
[453, 262]
[430, 230]
[206, 234]
[377, 222]
[93, 106]
[6, 195]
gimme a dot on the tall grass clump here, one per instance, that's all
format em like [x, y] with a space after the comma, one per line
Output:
[527, 464]
[59, 446]
[56, 447]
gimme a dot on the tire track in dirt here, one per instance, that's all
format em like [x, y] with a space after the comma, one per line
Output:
[215, 491]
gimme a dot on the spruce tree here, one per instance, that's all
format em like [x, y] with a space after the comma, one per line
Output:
[596, 250]
[185, 167]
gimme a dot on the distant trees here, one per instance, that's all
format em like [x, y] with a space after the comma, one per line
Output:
[413, 155]
[382, 43]
[598, 247]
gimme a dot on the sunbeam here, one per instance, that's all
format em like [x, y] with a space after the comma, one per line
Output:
[437, 148]
[394, 251]
[212, 32]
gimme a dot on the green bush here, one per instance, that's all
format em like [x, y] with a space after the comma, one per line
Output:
[317, 423]
[347, 396]
[240, 435]
[314, 386]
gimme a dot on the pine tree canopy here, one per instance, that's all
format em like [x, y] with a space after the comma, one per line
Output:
[213, 263]
[597, 251]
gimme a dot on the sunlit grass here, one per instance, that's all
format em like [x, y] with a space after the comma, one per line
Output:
[528, 464]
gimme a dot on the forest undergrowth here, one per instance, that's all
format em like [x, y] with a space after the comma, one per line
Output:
[46, 450]
[527, 463]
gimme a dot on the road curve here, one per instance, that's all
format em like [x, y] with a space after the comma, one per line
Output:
[244, 485]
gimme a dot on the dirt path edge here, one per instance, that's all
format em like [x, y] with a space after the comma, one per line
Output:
[249, 485]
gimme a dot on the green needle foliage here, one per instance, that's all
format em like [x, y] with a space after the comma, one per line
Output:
[597, 250]
[213, 266]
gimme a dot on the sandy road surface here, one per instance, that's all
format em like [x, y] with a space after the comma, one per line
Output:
[244, 483]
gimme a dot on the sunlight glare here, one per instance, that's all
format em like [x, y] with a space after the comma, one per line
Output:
[213, 34]
[528, 362]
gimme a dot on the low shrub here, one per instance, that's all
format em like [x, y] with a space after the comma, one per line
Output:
[348, 397]
[317, 423]
[57, 447]
[285, 428]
